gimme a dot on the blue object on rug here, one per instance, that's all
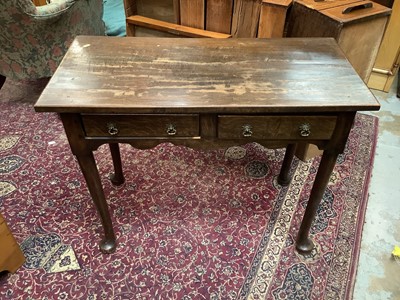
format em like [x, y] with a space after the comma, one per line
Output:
[114, 17]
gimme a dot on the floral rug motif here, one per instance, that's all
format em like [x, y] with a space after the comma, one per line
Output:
[47, 251]
[190, 224]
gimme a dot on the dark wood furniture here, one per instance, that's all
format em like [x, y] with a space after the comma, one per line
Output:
[205, 93]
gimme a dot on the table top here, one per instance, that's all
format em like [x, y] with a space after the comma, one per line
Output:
[176, 75]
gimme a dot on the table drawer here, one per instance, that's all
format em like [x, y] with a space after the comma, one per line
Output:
[276, 127]
[185, 125]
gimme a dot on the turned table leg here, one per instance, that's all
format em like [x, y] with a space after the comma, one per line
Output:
[284, 176]
[82, 149]
[118, 177]
[92, 177]
[328, 161]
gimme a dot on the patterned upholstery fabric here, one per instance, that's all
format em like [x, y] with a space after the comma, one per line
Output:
[33, 40]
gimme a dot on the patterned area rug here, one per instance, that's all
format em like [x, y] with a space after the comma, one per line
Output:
[190, 224]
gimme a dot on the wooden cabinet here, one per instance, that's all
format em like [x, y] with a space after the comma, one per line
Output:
[388, 59]
[357, 26]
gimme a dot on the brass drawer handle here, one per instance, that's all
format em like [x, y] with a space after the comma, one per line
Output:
[305, 130]
[171, 129]
[112, 129]
[247, 130]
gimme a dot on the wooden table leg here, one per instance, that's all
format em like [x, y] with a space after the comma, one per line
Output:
[92, 177]
[118, 177]
[398, 86]
[328, 161]
[82, 149]
[284, 176]
[2, 80]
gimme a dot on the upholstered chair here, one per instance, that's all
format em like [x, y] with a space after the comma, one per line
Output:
[34, 39]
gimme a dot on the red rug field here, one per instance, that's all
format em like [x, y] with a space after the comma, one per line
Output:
[190, 224]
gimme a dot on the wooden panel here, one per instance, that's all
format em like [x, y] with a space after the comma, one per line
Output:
[177, 11]
[219, 15]
[362, 55]
[388, 51]
[141, 125]
[306, 22]
[387, 3]
[380, 82]
[384, 81]
[130, 7]
[387, 59]
[174, 28]
[272, 18]
[192, 13]
[246, 14]
[275, 127]
[305, 152]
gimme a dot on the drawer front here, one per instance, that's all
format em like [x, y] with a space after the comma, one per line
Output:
[276, 127]
[186, 125]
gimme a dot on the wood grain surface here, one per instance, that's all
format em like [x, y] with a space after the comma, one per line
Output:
[246, 14]
[192, 13]
[219, 15]
[158, 75]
